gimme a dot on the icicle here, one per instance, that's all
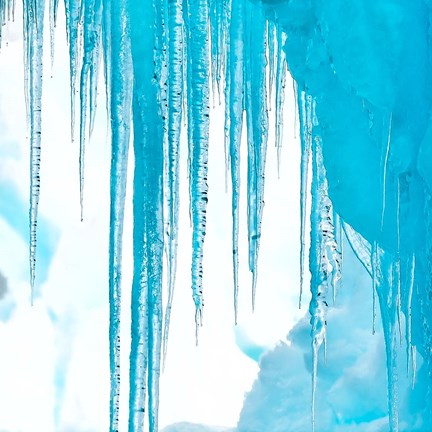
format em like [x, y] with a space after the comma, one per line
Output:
[7, 10]
[384, 179]
[73, 10]
[175, 95]
[257, 123]
[94, 77]
[33, 31]
[296, 107]
[216, 40]
[360, 246]
[305, 116]
[273, 58]
[414, 365]
[106, 44]
[408, 313]
[227, 92]
[52, 27]
[149, 99]
[338, 254]
[387, 295]
[52, 24]
[219, 34]
[398, 262]
[119, 86]
[318, 261]
[375, 270]
[214, 46]
[280, 92]
[94, 73]
[26, 60]
[235, 103]
[92, 28]
[198, 130]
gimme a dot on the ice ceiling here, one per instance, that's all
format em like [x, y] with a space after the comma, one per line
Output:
[363, 86]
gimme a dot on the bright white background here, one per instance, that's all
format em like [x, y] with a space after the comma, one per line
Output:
[65, 333]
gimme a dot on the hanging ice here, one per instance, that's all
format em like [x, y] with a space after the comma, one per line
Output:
[362, 73]
[119, 87]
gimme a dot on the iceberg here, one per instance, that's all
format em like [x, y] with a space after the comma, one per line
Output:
[363, 93]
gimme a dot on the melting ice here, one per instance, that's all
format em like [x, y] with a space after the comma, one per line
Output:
[362, 73]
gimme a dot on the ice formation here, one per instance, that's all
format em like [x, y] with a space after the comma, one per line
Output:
[364, 99]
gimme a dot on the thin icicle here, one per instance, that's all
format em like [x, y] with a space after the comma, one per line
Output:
[273, 57]
[175, 96]
[257, 123]
[216, 12]
[106, 45]
[280, 93]
[26, 59]
[73, 11]
[296, 107]
[198, 131]
[320, 266]
[305, 116]
[398, 262]
[92, 28]
[52, 27]
[337, 272]
[227, 92]
[33, 30]
[314, 382]
[384, 179]
[235, 103]
[94, 74]
[411, 267]
[414, 365]
[375, 276]
[119, 86]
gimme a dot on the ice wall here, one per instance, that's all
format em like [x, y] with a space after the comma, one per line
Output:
[363, 93]
[366, 66]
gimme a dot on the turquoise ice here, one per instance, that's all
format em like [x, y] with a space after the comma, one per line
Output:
[363, 91]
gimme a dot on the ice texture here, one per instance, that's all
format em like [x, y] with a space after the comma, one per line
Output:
[362, 83]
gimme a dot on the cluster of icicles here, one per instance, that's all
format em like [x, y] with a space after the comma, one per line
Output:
[157, 59]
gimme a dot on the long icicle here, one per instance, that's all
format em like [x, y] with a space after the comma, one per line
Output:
[235, 105]
[175, 96]
[280, 93]
[148, 59]
[257, 123]
[319, 262]
[198, 135]
[305, 117]
[117, 55]
[384, 172]
[33, 28]
[227, 92]
[387, 295]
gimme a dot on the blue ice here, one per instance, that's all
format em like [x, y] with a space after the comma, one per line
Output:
[363, 87]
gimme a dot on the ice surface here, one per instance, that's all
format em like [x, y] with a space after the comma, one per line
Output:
[362, 73]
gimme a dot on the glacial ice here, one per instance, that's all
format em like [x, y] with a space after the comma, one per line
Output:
[364, 99]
